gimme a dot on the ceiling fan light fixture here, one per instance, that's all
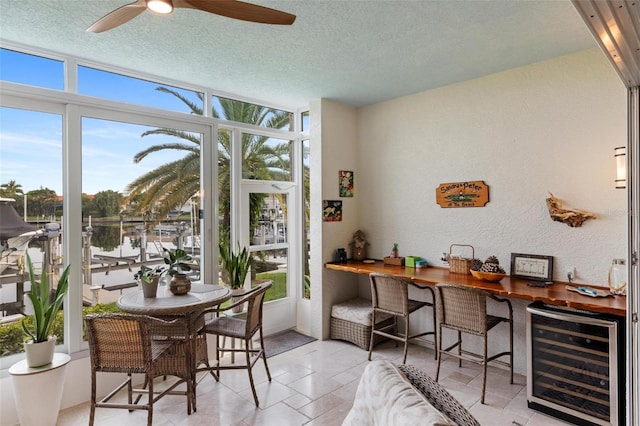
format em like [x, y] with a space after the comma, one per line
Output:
[160, 6]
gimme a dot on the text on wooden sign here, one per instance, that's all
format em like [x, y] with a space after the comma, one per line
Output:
[462, 194]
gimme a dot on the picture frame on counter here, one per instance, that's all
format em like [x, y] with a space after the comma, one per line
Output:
[532, 266]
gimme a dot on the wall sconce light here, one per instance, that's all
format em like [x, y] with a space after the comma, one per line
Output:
[621, 167]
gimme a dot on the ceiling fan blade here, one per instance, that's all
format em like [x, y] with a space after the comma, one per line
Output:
[118, 17]
[239, 10]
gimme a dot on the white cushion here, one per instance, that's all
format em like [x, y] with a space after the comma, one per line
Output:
[386, 398]
[358, 311]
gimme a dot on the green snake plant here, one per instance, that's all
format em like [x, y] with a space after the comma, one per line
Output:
[45, 307]
[235, 264]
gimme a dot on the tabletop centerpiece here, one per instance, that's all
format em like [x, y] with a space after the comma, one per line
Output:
[40, 347]
[176, 261]
[175, 265]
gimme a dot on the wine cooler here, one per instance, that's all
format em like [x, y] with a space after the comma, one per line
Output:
[576, 365]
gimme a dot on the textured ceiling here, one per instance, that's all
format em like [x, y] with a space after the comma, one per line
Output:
[355, 52]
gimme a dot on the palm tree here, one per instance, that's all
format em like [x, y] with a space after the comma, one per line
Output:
[11, 189]
[173, 184]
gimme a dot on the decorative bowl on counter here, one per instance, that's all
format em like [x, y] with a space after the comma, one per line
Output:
[487, 276]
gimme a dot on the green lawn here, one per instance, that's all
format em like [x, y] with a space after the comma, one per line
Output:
[278, 289]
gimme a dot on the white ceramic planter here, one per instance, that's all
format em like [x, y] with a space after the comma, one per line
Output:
[39, 354]
[235, 296]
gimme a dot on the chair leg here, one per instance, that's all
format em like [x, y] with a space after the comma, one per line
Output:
[144, 386]
[435, 328]
[92, 412]
[249, 370]
[264, 355]
[484, 369]
[460, 350]
[217, 375]
[439, 351]
[130, 391]
[395, 328]
[406, 339]
[373, 328]
[511, 349]
[150, 402]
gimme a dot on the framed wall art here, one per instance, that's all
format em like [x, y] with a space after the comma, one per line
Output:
[532, 267]
[332, 210]
[345, 183]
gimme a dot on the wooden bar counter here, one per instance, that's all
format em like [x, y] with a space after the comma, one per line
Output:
[555, 294]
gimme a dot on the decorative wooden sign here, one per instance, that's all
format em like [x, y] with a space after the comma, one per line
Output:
[462, 194]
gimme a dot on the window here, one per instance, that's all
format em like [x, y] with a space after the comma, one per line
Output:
[31, 174]
[108, 85]
[306, 215]
[244, 112]
[110, 153]
[23, 68]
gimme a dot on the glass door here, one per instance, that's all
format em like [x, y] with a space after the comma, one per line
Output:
[267, 227]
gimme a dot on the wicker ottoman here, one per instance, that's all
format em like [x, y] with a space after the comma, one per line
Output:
[351, 321]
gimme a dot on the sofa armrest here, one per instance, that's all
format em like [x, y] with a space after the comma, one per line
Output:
[438, 396]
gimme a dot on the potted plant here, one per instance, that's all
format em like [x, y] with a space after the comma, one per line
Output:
[235, 266]
[176, 261]
[149, 278]
[40, 346]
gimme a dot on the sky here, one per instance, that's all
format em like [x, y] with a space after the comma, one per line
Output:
[31, 142]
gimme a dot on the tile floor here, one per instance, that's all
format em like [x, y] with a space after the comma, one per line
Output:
[315, 385]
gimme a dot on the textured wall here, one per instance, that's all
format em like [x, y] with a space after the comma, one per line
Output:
[551, 126]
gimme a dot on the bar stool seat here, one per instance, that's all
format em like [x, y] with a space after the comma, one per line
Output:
[390, 296]
[464, 310]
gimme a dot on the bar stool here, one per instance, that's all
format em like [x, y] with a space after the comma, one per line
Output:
[464, 309]
[390, 296]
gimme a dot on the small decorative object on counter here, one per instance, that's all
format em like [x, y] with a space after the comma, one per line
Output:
[341, 255]
[421, 263]
[396, 261]
[359, 246]
[618, 277]
[490, 270]
[394, 251]
[459, 264]
[412, 261]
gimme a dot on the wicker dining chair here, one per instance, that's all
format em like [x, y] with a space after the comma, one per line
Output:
[464, 310]
[175, 331]
[120, 343]
[243, 329]
[390, 295]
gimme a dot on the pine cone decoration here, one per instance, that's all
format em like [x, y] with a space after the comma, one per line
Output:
[492, 267]
[476, 264]
[492, 259]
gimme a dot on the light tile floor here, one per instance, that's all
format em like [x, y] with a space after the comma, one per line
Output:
[315, 385]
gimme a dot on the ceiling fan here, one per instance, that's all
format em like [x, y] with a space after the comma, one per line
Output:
[229, 8]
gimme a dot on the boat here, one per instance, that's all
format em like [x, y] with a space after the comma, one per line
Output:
[15, 236]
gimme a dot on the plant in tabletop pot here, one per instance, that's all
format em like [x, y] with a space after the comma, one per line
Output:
[148, 279]
[40, 346]
[235, 266]
[176, 261]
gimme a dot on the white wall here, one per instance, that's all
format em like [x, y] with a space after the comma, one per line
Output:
[550, 126]
[333, 148]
